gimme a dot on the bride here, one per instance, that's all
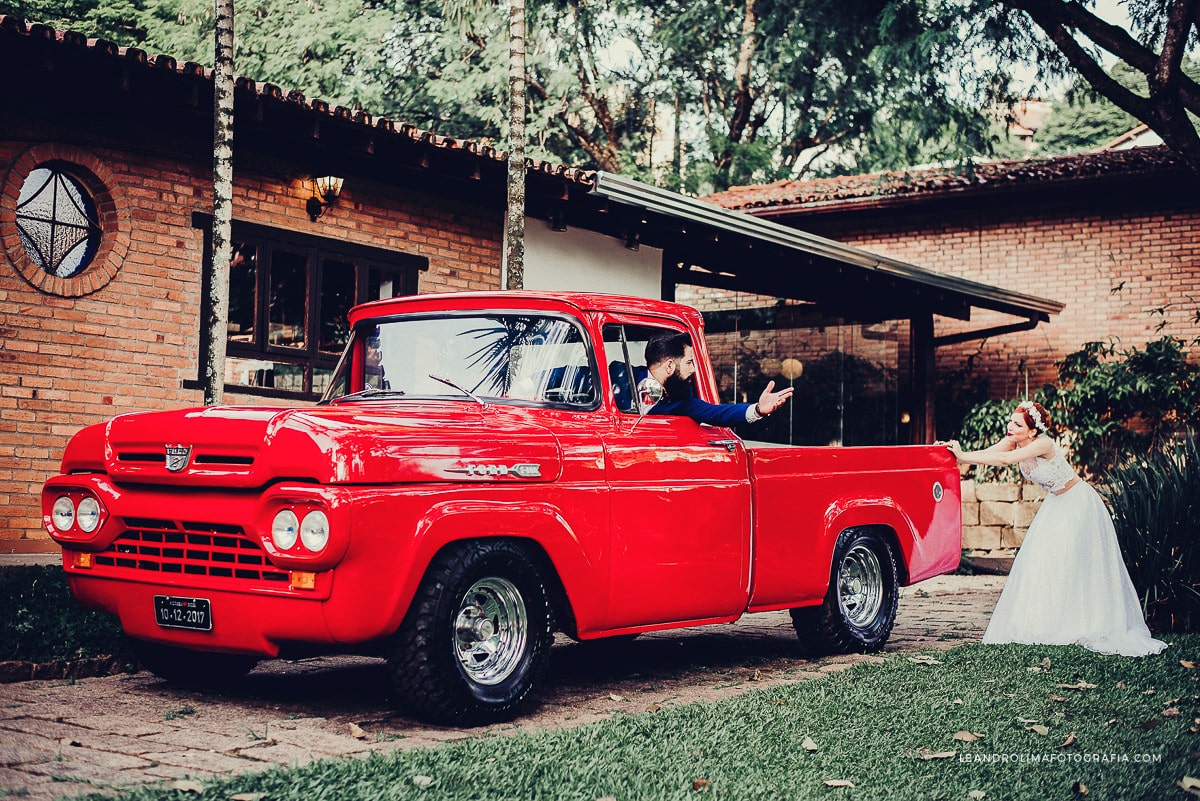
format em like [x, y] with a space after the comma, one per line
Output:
[1068, 584]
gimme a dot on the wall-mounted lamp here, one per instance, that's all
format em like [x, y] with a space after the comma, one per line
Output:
[325, 193]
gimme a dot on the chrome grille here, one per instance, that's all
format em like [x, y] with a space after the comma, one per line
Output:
[188, 548]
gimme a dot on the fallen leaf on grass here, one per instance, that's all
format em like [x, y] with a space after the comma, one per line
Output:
[1079, 685]
[356, 731]
[700, 785]
[1079, 787]
[1148, 692]
[1172, 712]
[615, 697]
[921, 659]
[1189, 785]
[965, 736]
[976, 794]
[1028, 720]
[653, 708]
[756, 675]
[188, 786]
[1187, 664]
[838, 783]
[1058, 698]
[1121, 685]
[247, 797]
[925, 753]
[422, 781]
[1039, 729]
[1069, 741]
[809, 744]
[957, 701]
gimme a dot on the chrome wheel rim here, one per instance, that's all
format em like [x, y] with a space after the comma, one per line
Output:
[491, 630]
[860, 586]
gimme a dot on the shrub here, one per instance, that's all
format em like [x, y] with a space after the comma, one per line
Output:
[41, 622]
[1118, 403]
[1155, 502]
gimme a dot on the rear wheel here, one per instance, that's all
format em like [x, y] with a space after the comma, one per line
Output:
[476, 637]
[192, 668]
[860, 607]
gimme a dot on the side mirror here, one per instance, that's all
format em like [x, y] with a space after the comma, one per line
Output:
[649, 392]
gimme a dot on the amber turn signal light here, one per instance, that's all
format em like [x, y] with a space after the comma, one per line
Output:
[303, 580]
[81, 559]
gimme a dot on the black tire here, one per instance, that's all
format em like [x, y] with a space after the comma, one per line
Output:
[860, 607]
[192, 668]
[476, 638]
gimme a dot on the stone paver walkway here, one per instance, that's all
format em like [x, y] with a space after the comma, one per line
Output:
[64, 738]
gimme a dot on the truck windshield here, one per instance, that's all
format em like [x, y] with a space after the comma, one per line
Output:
[519, 358]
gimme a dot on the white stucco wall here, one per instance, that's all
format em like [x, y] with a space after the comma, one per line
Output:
[584, 261]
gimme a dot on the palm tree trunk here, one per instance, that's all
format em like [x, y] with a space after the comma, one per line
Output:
[216, 331]
[514, 224]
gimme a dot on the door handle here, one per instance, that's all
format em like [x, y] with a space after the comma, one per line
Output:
[730, 444]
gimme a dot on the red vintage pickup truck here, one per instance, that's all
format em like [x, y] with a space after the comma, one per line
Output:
[479, 474]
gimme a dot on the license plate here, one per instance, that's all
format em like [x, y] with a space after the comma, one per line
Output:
[183, 613]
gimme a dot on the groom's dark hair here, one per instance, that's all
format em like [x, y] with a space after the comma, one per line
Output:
[666, 346]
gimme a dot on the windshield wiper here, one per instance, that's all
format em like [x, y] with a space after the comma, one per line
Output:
[466, 392]
[364, 393]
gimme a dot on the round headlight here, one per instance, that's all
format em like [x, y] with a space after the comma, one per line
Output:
[284, 529]
[89, 514]
[314, 531]
[63, 513]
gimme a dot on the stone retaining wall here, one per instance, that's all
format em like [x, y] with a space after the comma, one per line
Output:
[997, 515]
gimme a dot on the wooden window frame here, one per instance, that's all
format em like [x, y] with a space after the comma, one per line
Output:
[317, 251]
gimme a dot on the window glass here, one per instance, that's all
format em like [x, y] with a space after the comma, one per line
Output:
[383, 284]
[243, 292]
[57, 222]
[635, 339]
[337, 296]
[526, 358]
[287, 301]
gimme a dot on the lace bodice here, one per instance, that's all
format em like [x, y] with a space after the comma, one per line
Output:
[1050, 474]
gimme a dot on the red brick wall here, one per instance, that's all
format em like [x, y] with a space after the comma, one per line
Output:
[68, 362]
[1112, 270]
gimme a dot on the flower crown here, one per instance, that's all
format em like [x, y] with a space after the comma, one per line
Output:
[1028, 406]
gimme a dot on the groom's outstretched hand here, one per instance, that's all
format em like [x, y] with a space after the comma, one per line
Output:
[769, 400]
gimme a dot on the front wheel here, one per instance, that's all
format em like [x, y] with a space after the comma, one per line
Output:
[859, 609]
[476, 637]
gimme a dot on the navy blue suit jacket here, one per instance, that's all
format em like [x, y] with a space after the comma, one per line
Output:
[727, 415]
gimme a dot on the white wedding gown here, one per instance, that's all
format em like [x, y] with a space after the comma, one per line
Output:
[1068, 584]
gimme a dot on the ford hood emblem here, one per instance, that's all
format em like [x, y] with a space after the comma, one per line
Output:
[178, 457]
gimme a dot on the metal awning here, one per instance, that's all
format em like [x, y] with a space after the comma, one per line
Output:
[707, 245]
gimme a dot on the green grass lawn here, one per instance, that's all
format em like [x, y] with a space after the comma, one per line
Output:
[1032, 722]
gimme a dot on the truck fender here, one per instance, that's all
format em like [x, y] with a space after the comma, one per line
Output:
[879, 513]
[572, 574]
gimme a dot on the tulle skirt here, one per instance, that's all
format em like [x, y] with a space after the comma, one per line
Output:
[1069, 585]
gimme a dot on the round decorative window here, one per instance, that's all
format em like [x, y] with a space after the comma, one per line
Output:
[57, 221]
[65, 219]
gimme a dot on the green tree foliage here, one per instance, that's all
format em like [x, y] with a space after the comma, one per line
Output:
[1111, 404]
[1066, 38]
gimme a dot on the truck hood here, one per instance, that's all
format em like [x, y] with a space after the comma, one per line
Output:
[233, 446]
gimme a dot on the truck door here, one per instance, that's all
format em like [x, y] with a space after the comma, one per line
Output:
[680, 494]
